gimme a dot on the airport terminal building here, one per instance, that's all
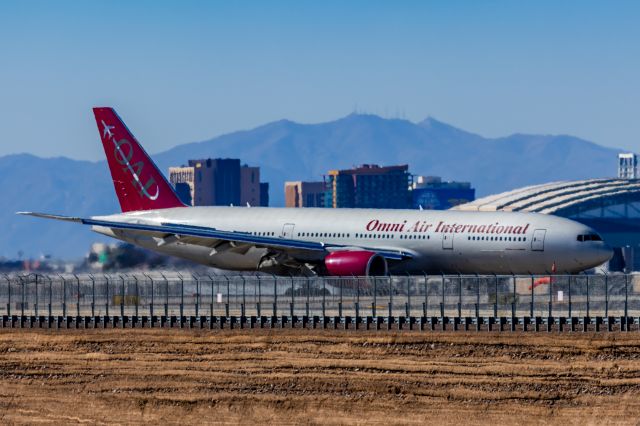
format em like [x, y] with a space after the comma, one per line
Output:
[610, 206]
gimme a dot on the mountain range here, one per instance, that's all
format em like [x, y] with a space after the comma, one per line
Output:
[286, 150]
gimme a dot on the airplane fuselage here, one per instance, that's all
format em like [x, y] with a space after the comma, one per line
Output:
[434, 241]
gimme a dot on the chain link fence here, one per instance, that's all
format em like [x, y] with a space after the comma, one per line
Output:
[175, 294]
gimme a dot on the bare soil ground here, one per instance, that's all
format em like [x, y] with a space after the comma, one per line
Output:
[309, 377]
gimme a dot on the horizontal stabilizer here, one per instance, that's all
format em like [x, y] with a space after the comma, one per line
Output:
[52, 216]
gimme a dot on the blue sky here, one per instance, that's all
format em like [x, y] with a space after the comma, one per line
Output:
[186, 71]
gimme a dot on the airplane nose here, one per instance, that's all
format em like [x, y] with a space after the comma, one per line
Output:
[605, 253]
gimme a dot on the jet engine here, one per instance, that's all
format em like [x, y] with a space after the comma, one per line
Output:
[355, 263]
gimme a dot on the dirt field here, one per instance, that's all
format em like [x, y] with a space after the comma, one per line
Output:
[174, 376]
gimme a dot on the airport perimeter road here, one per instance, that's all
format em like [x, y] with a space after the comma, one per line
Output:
[286, 376]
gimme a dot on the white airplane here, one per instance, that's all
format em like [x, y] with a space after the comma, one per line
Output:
[324, 241]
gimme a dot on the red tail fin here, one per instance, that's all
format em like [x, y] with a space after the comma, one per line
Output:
[138, 182]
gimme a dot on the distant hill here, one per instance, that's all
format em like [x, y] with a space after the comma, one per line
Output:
[291, 151]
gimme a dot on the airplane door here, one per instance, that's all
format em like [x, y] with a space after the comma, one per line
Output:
[447, 241]
[537, 243]
[287, 230]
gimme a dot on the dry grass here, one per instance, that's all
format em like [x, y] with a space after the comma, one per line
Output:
[297, 376]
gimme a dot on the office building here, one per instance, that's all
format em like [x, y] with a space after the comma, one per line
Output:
[219, 182]
[304, 194]
[627, 166]
[264, 194]
[250, 186]
[182, 180]
[431, 193]
[369, 186]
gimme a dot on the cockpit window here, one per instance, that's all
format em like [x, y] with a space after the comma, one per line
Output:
[589, 237]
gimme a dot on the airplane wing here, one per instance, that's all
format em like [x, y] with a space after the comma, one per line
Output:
[211, 237]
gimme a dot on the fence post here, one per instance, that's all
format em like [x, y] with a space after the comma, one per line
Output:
[357, 299]
[426, 296]
[181, 297]
[258, 307]
[533, 295]
[408, 305]
[308, 296]
[22, 296]
[513, 301]
[152, 298]
[275, 296]
[626, 301]
[226, 305]
[49, 308]
[459, 296]
[390, 298]
[64, 297]
[291, 307]
[569, 296]
[443, 300]
[211, 304]
[340, 303]
[137, 299]
[9, 298]
[93, 295]
[375, 296]
[36, 306]
[244, 297]
[197, 294]
[477, 298]
[122, 298]
[78, 296]
[495, 302]
[606, 295]
[8, 279]
[588, 310]
[550, 297]
[324, 297]
[107, 304]
[166, 295]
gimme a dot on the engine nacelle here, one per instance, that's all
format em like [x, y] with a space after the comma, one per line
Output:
[355, 263]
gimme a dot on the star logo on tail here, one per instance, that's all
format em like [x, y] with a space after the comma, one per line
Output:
[106, 129]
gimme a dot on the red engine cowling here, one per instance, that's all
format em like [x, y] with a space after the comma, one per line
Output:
[355, 263]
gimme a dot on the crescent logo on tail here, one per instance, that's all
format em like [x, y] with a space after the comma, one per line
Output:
[125, 159]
